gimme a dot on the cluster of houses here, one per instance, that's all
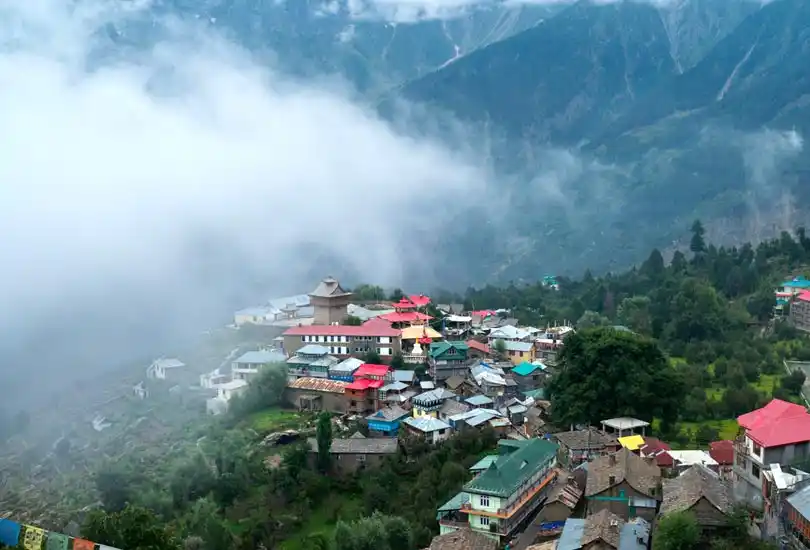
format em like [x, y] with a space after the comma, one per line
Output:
[793, 302]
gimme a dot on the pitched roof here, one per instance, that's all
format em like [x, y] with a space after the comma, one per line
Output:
[312, 349]
[419, 300]
[518, 346]
[347, 366]
[262, 357]
[525, 368]
[438, 348]
[366, 445]
[776, 409]
[784, 431]
[684, 491]
[417, 331]
[478, 346]
[511, 470]
[565, 491]
[329, 288]
[394, 386]
[641, 474]
[585, 439]
[463, 539]
[452, 407]
[367, 329]
[722, 451]
[604, 526]
[478, 400]
[405, 317]
[454, 382]
[370, 369]
[426, 423]
[405, 376]
[364, 384]
[432, 396]
[388, 414]
[633, 442]
[318, 384]
[800, 501]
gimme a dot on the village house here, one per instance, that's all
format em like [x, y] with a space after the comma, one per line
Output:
[506, 495]
[800, 311]
[659, 451]
[624, 484]
[162, 368]
[430, 428]
[225, 393]
[451, 515]
[700, 491]
[529, 376]
[479, 401]
[685, 459]
[446, 359]
[519, 352]
[479, 419]
[386, 421]
[345, 340]
[563, 497]
[345, 369]
[463, 539]
[310, 361]
[363, 394]
[478, 350]
[429, 402]
[605, 531]
[797, 517]
[250, 363]
[632, 443]
[260, 315]
[490, 380]
[456, 327]
[353, 453]
[777, 485]
[406, 314]
[405, 376]
[778, 433]
[507, 333]
[723, 453]
[316, 394]
[579, 446]
[450, 408]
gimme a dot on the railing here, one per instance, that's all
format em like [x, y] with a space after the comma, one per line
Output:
[411, 358]
[506, 513]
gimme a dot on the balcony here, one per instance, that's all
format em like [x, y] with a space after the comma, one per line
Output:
[509, 511]
[414, 359]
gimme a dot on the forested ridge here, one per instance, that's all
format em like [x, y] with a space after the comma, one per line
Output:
[701, 349]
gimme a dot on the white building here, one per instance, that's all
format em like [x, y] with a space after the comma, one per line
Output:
[161, 368]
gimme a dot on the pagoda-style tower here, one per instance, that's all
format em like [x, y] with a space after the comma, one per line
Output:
[330, 302]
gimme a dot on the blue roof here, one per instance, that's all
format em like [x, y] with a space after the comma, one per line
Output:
[525, 368]
[798, 282]
[484, 463]
[261, 357]
[478, 400]
[571, 535]
[631, 532]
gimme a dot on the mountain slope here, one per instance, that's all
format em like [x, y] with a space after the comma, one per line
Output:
[654, 147]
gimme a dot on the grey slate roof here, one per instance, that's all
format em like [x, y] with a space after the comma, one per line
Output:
[368, 445]
[463, 539]
[452, 407]
[642, 475]
[329, 288]
[605, 528]
[684, 491]
[585, 439]
[388, 414]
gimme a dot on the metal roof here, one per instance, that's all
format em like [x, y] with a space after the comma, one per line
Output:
[313, 349]
[506, 474]
[800, 500]
[318, 384]
[476, 400]
[261, 357]
[426, 424]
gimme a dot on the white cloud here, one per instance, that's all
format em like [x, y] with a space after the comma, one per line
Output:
[109, 173]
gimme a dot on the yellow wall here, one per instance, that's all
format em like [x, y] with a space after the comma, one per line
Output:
[417, 412]
[520, 356]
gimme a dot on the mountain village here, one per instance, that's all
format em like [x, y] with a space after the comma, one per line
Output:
[545, 488]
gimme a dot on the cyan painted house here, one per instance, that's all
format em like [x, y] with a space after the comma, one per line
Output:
[386, 421]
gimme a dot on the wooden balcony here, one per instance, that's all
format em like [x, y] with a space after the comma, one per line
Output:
[507, 513]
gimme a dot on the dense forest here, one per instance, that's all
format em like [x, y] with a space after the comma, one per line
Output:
[700, 348]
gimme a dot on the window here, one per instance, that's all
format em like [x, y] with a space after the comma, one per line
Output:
[361, 459]
[303, 338]
[755, 470]
[757, 448]
[451, 351]
[484, 501]
[483, 520]
[354, 403]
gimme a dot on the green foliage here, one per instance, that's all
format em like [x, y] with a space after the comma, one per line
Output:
[604, 373]
[264, 391]
[377, 532]
[323, 435]
[368, 293]
[133, 528]
[353, 321]
[372, 356]
[398, 361]
[678, 531]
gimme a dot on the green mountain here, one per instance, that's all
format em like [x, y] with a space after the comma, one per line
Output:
[626, 122]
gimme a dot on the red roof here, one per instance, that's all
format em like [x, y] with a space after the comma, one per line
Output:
[653, 445]
[476, 345]
[377, 322]
[420, 300]
[370, 369]
[804, 296]
[785, 431]
[377, 329]
[403, 303]
[774, 411]
[722, 451]
[405, 317]
[664, 460]
[364, 384]
[483, 313]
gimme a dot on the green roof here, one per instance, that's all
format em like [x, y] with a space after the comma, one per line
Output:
[454, 503]
[439, 348]
[512, 469]
[484, 463]
[538, 394]
[525, 368]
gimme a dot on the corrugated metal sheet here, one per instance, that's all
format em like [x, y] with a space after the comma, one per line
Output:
[571, 535]
[318, 384]
[800, 500]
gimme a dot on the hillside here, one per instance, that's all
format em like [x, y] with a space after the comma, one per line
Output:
[650, 141]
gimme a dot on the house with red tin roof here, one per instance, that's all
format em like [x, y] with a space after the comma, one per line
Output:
[363, 394]
[778, 433]
[723, 453]
[405, 314]
[659, 451]
[345, 340]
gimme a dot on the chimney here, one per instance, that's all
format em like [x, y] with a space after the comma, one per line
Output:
[612, 459]
[612, 481]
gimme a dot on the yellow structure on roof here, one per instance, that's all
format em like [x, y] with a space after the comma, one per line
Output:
[632, 442]
[412, 333]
